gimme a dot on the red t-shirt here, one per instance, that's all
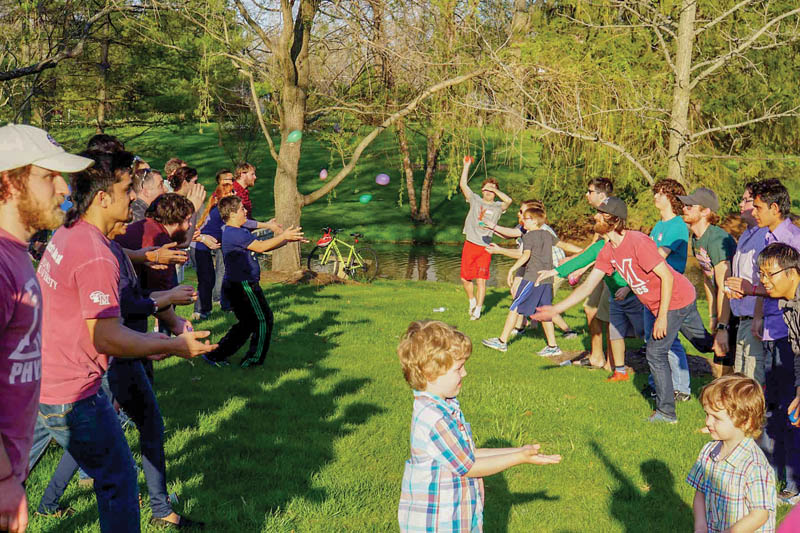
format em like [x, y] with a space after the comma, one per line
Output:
[142, 234]
[20, 351]
[79, 277]
[244, 194]
[635, 258]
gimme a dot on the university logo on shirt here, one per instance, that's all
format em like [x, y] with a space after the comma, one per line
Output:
[99, 298]
[626, 271]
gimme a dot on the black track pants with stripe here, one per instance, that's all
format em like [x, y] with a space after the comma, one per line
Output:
[254, 322]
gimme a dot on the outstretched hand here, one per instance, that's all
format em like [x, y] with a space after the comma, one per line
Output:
[191, 345]
[544, 274]
[293, 233]
[544, 313]
[738, 288]
[532, 456]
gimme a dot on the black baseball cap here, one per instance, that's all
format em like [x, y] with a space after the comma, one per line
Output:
[614, 206]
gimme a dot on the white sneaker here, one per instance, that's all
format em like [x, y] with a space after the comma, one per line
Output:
[473, 303]
[476, 313]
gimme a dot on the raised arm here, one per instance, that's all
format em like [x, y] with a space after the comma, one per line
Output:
[462, 183]
[291, 234]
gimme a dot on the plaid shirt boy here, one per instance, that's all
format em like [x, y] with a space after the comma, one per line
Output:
[734, 486]
[436, 494]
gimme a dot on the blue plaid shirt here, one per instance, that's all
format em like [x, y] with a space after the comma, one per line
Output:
[437, 496]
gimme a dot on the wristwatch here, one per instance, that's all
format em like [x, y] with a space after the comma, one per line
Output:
[722, 327]
[155, 305]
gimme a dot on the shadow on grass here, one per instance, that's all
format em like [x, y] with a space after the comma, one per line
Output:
[655, 506]
[497, 508]
[246, 443]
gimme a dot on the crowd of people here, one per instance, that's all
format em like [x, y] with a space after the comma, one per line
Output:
[76, 352]
[635, 288]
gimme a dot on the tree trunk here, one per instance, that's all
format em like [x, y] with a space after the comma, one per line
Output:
[402, 140]
[288, 200]
[102, 95]
[434, 144]
[679, 116]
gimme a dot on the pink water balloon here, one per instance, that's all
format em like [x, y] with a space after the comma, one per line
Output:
[323, 173]
[382, 179]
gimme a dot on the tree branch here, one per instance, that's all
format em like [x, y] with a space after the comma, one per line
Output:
[722, 17]
[723, 59]
[408, 109]
[794, 112]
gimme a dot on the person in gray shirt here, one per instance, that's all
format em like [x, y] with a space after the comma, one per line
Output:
[484, 212]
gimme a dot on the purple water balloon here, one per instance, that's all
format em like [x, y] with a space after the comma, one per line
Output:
[382, 179]
[323, 173]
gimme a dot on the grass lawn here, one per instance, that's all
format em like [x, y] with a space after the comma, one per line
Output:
[315, 440]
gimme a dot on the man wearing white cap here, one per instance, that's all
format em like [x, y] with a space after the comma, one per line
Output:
[31, 192]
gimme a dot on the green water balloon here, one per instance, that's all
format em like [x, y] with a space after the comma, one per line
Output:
[294, 136]
[365, 198]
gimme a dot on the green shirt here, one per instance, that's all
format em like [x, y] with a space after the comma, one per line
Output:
[714, 247]
[588, 256]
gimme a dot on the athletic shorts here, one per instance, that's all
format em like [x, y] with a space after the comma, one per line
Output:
[625, 318]
[529, 297]
[475, 261]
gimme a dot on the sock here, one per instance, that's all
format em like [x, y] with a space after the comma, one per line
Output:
[620, 369]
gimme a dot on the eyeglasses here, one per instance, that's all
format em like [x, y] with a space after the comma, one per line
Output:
[747, 200]
[769, 275]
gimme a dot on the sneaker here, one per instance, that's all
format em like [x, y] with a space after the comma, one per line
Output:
[516, 331]
[59, 512]
[476, 313]
[658, 417]
[682, 396]
[788, 497]
[571, 334]
[218, 364]
[495, 344]
[618, 376]
[473, 303]
[548, 351]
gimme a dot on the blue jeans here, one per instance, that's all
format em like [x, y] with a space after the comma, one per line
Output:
[685, 320]
[780, 441]
[678, 363]
[89, 430]
[131, 388]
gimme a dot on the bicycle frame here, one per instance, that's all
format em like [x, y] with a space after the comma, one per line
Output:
[352, 255]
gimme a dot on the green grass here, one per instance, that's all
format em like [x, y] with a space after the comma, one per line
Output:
[316, 439]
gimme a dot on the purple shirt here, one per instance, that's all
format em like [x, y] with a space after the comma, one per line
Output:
[774, 326]
[745, 266]
[20, 351]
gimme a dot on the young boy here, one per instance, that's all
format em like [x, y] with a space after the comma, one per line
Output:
[484, 212]
[241, 285]
[442, 486]
[536, 255]
[734, 483]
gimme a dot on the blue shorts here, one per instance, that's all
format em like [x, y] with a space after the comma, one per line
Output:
[529, 297]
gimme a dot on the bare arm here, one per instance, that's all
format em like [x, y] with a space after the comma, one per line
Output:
[723, 308]
[569, 247]
[513, 253]
[507, 233]
[711, 297]
[667, 281]
[110, 337]
[664, 251]
[291, 234]
[486, 465]
[462, 183]
[699, 512]
[547, 312]
[750, 522]
[506, 199]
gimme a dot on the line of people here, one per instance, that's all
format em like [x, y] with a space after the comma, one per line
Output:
[75, 353]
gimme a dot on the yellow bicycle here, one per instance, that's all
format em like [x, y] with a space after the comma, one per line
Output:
[336, 257]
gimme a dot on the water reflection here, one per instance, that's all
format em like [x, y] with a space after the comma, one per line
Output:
[443, 263]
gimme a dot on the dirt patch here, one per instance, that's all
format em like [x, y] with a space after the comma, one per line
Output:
[303, 277]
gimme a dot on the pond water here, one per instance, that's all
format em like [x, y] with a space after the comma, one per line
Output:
[443, 262]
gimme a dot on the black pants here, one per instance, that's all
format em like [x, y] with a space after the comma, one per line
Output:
[254, 322]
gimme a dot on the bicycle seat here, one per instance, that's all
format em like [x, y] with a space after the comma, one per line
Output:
[357, 235]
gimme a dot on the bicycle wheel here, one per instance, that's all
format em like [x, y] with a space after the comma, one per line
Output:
[366, 269]
[331, 266]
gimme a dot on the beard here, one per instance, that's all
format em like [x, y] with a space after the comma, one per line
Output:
[37, 215]
[602, 227]
[179, 236]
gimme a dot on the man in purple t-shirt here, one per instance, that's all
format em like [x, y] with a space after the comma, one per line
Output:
[31, 192]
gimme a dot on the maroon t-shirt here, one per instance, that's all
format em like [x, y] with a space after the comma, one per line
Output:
[142, 234]
[79, 277]
[20, 351]
[635, 258]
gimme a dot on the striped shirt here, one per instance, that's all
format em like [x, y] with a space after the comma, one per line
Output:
[436, 494]
[734, 486]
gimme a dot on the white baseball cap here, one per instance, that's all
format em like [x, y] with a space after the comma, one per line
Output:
[22, 145]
